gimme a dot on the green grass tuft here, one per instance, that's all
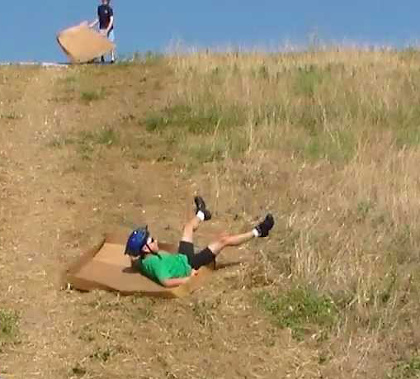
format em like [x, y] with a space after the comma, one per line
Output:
[78, 371]
[103, 354]
[8, 326]
[12, 116]
[85, 141]
[149, 58]
[406, 369]
[106, 136]
[337, 146]
[88, 97]
[301, 310]
[199, 121]
[308, 79]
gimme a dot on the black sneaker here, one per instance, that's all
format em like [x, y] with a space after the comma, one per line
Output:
[200, 205]
[264, 227]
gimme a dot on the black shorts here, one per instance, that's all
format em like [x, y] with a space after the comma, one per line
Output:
[203, 258]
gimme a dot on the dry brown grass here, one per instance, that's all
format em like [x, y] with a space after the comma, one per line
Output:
[328, 141]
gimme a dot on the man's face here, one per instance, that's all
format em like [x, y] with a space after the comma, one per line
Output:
[105, 2]
[151, 245]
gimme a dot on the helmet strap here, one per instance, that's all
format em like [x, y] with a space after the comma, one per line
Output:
[151, 251]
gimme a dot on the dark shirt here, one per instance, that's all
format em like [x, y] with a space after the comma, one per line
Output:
[105, 13]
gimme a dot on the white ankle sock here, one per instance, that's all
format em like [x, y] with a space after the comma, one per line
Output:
[200, 215]
[255, 232]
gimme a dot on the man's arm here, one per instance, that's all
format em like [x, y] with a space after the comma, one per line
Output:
[175, 282]
[94, 23]
[111, 23]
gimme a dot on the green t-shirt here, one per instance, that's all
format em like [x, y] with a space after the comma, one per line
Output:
[164, 266]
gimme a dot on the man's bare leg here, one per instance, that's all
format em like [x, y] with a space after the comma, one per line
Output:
[201, 214]
[234, 240]
[261, 230]
[189, 229]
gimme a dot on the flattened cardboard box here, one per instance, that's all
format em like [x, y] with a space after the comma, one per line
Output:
[106, 267]
[83, 44]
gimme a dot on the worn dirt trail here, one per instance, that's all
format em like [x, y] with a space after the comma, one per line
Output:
[43, 216]
[31, 231]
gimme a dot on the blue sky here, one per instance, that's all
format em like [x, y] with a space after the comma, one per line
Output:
[29, 27]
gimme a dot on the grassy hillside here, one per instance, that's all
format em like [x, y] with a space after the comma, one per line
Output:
[328, 141]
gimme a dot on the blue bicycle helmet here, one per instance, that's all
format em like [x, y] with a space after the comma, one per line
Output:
[136, 241]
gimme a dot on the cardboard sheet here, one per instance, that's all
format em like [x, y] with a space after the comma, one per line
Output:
[82, 44]
[106, 267]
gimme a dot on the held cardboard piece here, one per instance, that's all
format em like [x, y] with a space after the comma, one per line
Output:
[106, 267]
[82, 44]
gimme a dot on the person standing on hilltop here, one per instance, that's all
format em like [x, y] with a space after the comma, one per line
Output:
[105, 20]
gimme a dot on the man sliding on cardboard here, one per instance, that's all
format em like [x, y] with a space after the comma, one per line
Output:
[172, 270]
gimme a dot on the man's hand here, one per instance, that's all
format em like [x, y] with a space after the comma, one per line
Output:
[175, 282]
[93, 23]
